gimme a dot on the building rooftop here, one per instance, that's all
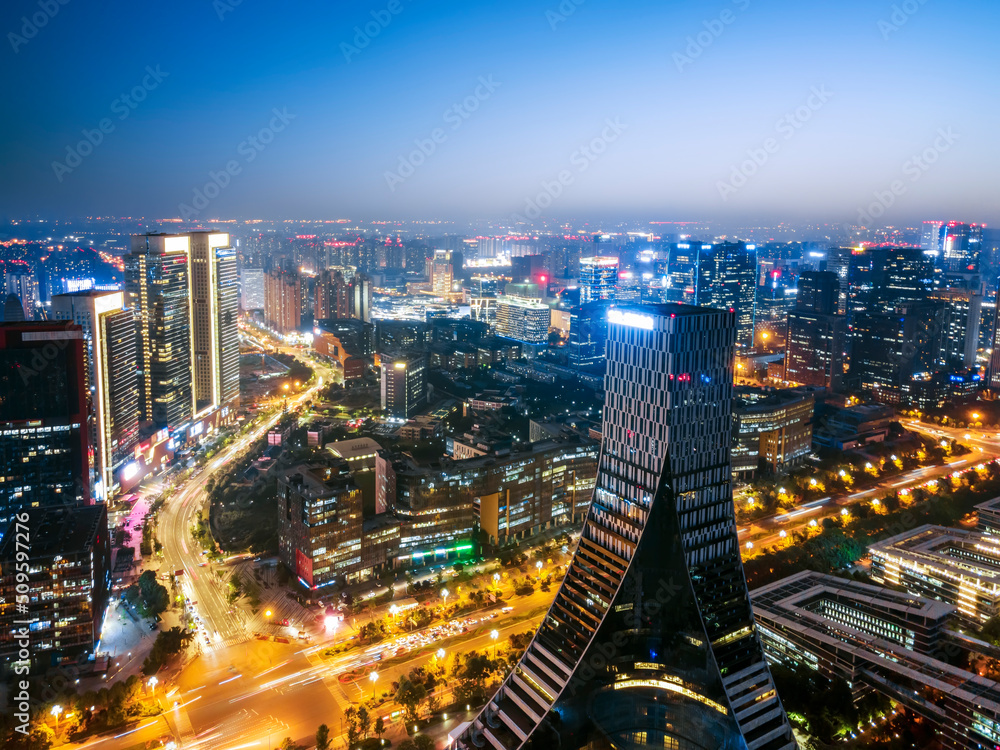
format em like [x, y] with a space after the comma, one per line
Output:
[319, 481]
[954, 553]
[350, 450]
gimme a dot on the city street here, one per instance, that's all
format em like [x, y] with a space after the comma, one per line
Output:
[766, 532]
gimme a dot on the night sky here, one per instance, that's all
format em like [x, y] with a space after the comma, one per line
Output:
[620, 108]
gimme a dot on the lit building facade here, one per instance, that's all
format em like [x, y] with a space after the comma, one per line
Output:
[650, 641]
[158, 288]
[320, 525]
[283, 302]
[598, 278]
[68, 583]
[879, 640]
[24, 285]
[404, 386]
[112, 380]
[952, 565]
[214, 321]
[524, 321]
[442, 273]
[44, 436]
[588, 333]
[252, 289]
[772, 431]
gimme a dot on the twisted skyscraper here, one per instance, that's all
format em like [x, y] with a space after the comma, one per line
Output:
[650, 641]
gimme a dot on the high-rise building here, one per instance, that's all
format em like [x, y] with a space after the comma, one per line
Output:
[361, 297]
[252, 289]
[112, 380]
[890, 349]
[184, 291]
[818, 291]
[838, 261]
[650, 641]
[817, 335]
[682, 272]
[598, 278]
[931, 237]
[67, 586]
[728, 276]
[332, 296]
[158, 286]
[283, 302]
[404, 385]
[961, 245]
[588, 333]
[522, 320]
[961, 314]
[24, 285]
[44, 445]
[442, 273]
[899, 276]
[320, 524]
[214, 321]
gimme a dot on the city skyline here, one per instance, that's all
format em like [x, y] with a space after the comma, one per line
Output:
[733, 112]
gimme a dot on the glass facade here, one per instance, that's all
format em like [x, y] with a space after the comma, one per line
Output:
[650, 641]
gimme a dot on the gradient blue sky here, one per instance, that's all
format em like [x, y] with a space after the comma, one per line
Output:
[354, 120]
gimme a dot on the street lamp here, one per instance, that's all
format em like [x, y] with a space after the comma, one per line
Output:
[494, 635]
[56, 711]
[538, 566]
[444, 595]
[374, 678]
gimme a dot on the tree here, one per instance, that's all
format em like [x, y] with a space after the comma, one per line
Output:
[287, 744]
[409, 697]
[351, 714]
[423, 742]
[364, 721]
[323, 737]
[379, 727]
[990, 630]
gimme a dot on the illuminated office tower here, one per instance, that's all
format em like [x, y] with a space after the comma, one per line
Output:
[158, 288]
[961, 314]
[112, 379]
[728, 279]
[681, 280]
[214, 321]
[523, 320]
[252, 289]
[598, 278]
[442, 273]
[44, 445]
[404, 385]
[817, 336]
[650, 641]
[960, 247]
[930, 238]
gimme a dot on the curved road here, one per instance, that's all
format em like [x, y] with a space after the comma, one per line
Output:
[182, 552]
